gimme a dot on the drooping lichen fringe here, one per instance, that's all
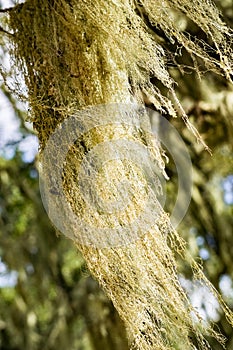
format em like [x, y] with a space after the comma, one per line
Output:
[76, 54]
[99, 52]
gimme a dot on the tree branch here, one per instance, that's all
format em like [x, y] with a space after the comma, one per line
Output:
[6, 10]
[5, 31]
[9, 9]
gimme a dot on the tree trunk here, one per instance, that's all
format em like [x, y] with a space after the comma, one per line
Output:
[75, 55]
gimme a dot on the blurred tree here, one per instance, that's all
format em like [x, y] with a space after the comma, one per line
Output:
[47, 308]
[53, 303]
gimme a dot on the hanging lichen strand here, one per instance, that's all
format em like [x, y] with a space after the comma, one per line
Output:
[76, 54]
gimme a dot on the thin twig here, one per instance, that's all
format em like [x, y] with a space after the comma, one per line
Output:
[7, 9]
[5, 31]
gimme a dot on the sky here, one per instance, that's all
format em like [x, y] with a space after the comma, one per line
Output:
[7, 3]
[10, 134]
[9, 137]
[9, 124]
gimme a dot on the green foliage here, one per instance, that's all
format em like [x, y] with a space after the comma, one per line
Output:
[52, 288]
[46, 308]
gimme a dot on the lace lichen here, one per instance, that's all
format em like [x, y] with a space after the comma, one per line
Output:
[76, 54]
